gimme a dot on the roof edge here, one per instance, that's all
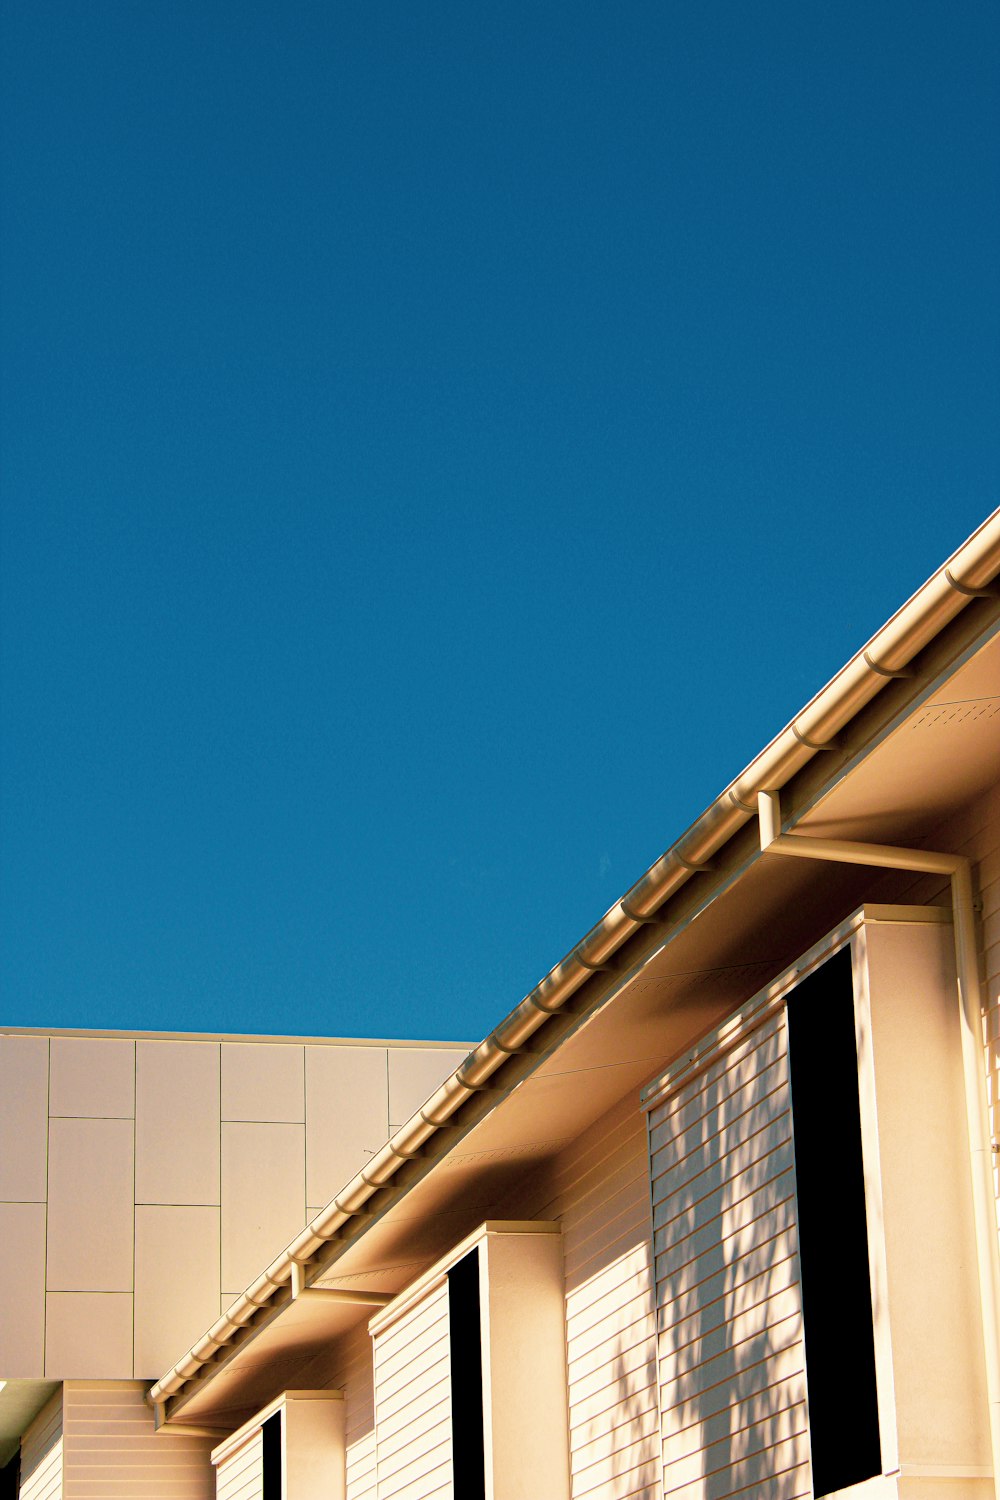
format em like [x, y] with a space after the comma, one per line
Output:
[965, 576]
[84, 1033]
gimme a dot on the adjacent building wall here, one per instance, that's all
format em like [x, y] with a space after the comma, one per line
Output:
[145, 1181]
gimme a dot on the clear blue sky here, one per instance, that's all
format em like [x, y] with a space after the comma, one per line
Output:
[441, 444]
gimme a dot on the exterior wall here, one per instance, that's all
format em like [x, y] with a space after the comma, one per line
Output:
[359, 1392]
[42, 1455]
[413, 1403]
[351, 1370]
[731, 1346]
[599, 1192]
[310, 1432]
[976, 833]
[241, 1477]
[505, 1313]
[111, 1450]
[145, 1181]
[598, 1189]
[731, 1354]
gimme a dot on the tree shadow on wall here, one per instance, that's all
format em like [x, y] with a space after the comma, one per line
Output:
[729, 1334]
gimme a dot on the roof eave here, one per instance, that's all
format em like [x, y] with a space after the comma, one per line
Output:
[968, 574]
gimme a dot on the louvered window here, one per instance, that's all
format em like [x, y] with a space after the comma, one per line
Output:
[470, 1373]
[813, 1236]
[291, 1450]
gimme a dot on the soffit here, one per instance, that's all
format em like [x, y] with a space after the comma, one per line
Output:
[20, 1403]
[767, 912]
[937, 760]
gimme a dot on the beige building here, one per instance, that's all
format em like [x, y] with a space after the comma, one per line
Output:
[713, 1212]
[145, 1179]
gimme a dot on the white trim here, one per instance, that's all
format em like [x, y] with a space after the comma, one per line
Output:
[723, 1037]
[245, 1434]
[436, 1273]
[945, 1471]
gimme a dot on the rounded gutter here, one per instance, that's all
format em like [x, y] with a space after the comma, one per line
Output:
[968, 574]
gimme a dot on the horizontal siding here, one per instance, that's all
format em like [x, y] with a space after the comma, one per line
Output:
[730, 1357]
[722, 1080]
[413, 1403]
[361, 1468]
[42, 1455]
[357, 1382]
[598, 1192]
[346, 1365]
[241, 1476]
[112, 1451]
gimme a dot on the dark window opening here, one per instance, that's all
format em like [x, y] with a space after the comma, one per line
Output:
[270, 1438]
[465, 1336]
[10, 1478]
[833, 1229]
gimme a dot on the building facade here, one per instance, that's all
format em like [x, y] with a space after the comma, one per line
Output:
[712, 1213]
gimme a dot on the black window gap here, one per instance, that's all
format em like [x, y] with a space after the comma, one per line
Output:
[833, 1229]
[270, 1437]
[465, 1336]
[10, 1479]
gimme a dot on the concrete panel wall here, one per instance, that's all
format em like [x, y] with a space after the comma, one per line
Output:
[90, 1206]
[24, 1110]
[414, 1073]
[258, 1076]
[92, 1076]
[347, 1114]
[145, 1181]
[177, 1117]
[87, 1334]
[263, 1196]
[22, 1288]
[176, 1280]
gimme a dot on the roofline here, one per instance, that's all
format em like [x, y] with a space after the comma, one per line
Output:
[965, 576]
[85, 1034]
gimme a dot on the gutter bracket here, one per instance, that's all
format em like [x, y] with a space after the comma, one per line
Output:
[301, 1291]
[594, 968]
[990, 592]
[886, 671]
[635, 916]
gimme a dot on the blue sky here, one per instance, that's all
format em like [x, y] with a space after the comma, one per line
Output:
[441, 444]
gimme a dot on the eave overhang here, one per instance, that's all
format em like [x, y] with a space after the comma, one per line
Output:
[700, 932]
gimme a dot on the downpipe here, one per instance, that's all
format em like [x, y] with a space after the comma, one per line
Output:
[959, 871]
